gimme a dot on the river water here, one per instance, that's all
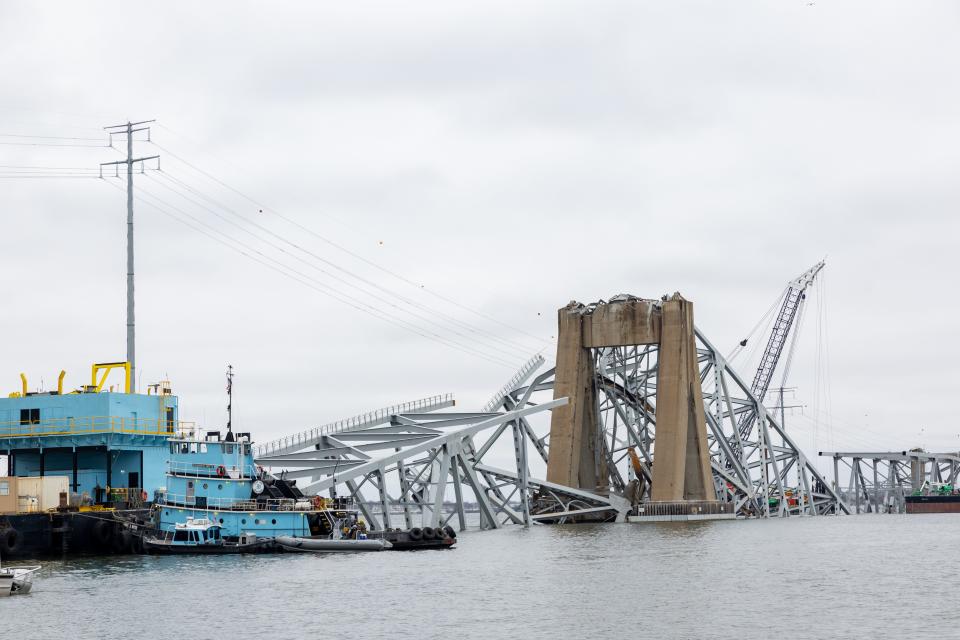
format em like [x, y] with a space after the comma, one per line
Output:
[862, 576]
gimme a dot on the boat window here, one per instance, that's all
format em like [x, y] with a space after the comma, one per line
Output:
[203, 447]
[193, 447]
[180, 536]
[173, 447]
[228, 448]
[29, 416]
[246, 449]
[184, 448]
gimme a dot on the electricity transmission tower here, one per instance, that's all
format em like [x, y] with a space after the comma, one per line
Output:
[128, 130]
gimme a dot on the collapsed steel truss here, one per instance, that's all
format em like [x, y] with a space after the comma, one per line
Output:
[430, 468]
[878, 482]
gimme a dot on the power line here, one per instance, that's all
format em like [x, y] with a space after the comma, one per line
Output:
[515, 348]
[355, 255]
[327, 273]
[24, 176]
[33, 166]
[52, 144]
[21, 135]
[307, 280]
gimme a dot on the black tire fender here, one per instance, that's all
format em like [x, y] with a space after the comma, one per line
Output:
[103, 532]
[126, 541]
[429, 533]
[450, 531]
[416, 533]
[9, 540]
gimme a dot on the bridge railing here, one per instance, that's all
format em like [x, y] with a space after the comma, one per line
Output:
[513, 382]
[306, 438]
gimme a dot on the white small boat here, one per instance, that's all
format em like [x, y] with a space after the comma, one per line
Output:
[330, 545]
[16, 580]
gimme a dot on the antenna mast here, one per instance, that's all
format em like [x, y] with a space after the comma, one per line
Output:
[229, 402]
[128, 130]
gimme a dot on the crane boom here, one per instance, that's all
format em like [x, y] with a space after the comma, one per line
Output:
[792, 301]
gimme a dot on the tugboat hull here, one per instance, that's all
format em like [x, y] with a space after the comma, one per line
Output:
[159, 547]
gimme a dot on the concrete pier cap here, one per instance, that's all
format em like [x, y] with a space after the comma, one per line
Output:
[681, 470]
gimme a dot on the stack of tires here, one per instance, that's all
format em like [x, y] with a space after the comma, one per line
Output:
[429, 533]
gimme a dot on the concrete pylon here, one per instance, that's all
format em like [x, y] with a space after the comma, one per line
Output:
[681, 469]
[573, 427]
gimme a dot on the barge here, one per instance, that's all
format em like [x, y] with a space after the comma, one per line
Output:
[101, 446]
[933, 497]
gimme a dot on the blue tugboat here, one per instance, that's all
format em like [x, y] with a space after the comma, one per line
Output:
[200, 536]
[215, 488]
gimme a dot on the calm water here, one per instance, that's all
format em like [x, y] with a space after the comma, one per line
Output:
[853, 577]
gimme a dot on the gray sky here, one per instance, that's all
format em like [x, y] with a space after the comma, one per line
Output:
[510, 157]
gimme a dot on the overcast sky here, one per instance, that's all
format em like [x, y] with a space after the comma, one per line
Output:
[503, 159]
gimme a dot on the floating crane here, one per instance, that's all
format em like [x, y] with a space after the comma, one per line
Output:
[792, 302]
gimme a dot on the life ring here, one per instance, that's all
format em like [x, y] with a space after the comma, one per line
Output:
[318, 503]
[221, 471]
[143, 495]
[429, 533]
[10, 540]
[416, 533]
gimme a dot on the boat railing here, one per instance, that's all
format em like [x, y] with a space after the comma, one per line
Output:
[305, 438]
[211, 470]
[94, 424]
[232, 504]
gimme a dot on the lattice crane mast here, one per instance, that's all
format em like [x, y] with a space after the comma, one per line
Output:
[792, 301]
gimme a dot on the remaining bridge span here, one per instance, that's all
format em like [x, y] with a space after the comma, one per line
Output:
[880, 481]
